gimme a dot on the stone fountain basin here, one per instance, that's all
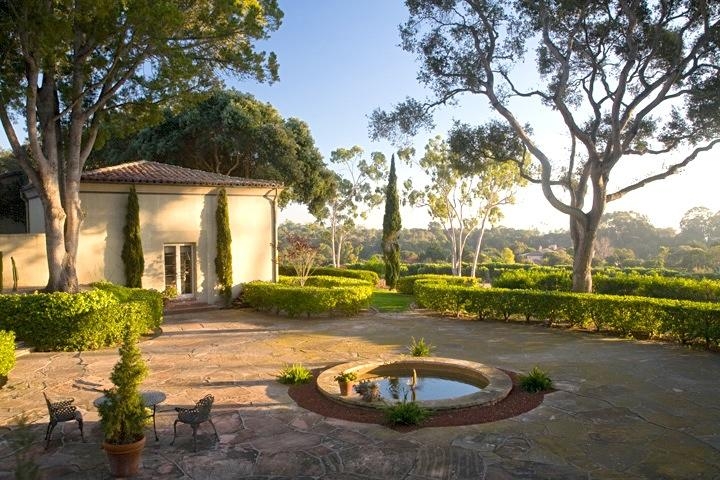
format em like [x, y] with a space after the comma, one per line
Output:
[495, 384]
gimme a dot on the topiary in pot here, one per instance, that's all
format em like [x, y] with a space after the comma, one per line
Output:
[122, 414]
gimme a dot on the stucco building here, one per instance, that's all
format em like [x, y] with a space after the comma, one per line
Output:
[177, 223]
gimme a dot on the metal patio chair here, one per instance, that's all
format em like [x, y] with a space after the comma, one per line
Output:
[194, 417]
[62, 411]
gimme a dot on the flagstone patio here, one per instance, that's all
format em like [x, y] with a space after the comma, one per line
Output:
[623, 409]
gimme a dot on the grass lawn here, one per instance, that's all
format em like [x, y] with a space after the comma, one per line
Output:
[390, 301]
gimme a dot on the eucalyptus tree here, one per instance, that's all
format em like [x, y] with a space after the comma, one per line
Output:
[626, 80]
[357, 191]
[67, 64]
[461, 201]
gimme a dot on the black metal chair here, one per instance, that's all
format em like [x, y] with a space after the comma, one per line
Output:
[62, 411]
[194, 417]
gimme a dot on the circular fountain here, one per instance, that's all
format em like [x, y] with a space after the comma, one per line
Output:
[434, 383]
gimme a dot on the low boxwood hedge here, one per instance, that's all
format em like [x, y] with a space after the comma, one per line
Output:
[365, 275]
[406, 285]
[319, 295]
[611, 282]
[81, 321]
[7, 354]
[638, 317]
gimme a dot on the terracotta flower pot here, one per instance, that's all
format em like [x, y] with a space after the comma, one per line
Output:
[346, 388]
[124, 459]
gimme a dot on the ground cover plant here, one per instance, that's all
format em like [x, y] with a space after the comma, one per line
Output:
[294, 374]
[536, 381]
[406, 413]
[420, 348]
[7, 354]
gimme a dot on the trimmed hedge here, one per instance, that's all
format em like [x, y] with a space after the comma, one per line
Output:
[319, 295]
[7, 354]
[615, 282]
[365, 275]
[638, 317]
[81, 321]
[406, 285]
[152, 298]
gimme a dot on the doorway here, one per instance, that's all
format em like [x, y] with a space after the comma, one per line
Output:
[180, 268]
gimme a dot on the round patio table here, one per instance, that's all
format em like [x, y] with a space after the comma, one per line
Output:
[151, 399]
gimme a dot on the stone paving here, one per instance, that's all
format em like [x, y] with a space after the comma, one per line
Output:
[623, 409]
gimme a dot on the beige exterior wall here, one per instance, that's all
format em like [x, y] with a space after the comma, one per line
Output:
[172, 214]
[28, 250]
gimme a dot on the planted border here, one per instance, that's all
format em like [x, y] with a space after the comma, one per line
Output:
[637, 317]
[319, 295]
[81, 321]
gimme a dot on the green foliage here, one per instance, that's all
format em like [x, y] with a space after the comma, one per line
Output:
[637, 282]
[132, 252]
[7, 353]
[535, 279]
[406, 413]
[535, 381]
[294, 374]
[82, 321]
[420, 348]
[345, 295]
[391, 229]
[406, 285]
[365, 275]
[223, 260]
[373, 264]
[122, 415]
[106, 68]
[638, 317]
[346, 377]
[235, 134]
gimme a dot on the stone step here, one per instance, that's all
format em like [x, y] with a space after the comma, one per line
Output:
[177, 307]
[22, 349]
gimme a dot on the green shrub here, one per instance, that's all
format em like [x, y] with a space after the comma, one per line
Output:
[638, 317]
[419, 348]
[535, 279]
[152, 298]
[406, 413]
[535, 381]
[365, 275]
[319, 295]
[81, 321]
[374, 264]
[294, 374]
[406, 285]
[7, 354]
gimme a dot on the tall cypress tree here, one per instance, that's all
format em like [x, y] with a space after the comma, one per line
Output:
[391, 230]
[223, 260]
[132, 252]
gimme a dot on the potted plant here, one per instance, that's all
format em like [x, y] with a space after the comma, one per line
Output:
[345, 380]
[122, 414]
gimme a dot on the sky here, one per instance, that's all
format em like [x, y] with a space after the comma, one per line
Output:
[340, 60]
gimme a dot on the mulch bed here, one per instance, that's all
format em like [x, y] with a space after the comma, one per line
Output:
[517, 402]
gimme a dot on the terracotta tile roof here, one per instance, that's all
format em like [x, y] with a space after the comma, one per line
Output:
[154, 172]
